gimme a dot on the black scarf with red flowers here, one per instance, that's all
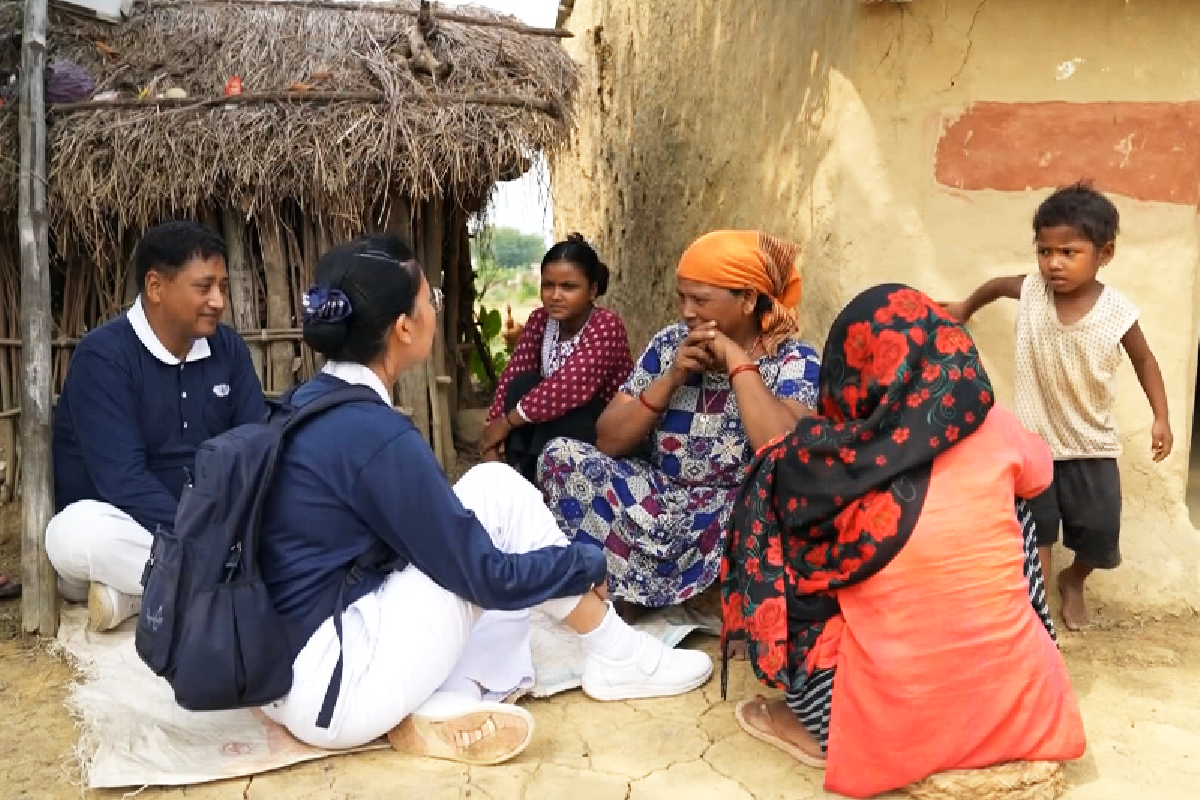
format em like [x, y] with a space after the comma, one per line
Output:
[831, 503]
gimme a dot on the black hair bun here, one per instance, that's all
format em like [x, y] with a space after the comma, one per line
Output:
[327, 338]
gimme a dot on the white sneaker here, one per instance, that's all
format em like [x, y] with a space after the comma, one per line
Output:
[653, 671]
[108, 608]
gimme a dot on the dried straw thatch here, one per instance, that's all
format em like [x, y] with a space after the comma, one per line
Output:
[353, 117]
[371, 126]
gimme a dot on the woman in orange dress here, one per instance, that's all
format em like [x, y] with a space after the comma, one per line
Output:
[880, 575]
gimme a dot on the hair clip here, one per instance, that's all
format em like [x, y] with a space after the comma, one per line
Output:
[326, 305]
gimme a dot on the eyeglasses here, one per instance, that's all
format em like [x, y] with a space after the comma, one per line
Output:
[436, 299]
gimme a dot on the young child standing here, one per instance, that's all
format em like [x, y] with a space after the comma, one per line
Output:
[1071, 329]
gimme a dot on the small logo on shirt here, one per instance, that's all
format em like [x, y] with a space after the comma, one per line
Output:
[221, 390]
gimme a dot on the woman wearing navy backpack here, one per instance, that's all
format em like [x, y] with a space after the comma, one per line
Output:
[423, 649]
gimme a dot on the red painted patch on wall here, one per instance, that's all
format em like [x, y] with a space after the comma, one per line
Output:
[1147, 151]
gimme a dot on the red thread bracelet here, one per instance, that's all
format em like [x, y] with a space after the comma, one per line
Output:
[650, 408]
[743, 368]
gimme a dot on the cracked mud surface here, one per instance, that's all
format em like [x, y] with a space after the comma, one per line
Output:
[1136, 680]
[1136, 677]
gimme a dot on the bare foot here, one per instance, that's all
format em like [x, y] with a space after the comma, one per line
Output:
[774, 720]
[1074, 606]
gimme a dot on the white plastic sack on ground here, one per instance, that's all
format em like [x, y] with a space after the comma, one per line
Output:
[133, 734]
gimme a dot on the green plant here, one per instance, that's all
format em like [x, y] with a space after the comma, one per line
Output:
[488, 321]
[488, 276]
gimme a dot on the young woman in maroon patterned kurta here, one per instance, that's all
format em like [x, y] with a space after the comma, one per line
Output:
[568, 363]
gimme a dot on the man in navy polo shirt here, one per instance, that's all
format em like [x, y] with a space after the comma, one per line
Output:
[142, 393]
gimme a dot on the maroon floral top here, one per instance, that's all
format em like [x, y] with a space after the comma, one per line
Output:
[598, 364]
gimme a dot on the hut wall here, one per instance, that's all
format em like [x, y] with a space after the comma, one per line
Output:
[912, 143]
[395, 116]
[272, 257]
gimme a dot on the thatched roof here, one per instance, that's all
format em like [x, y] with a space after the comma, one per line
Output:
[371, 122]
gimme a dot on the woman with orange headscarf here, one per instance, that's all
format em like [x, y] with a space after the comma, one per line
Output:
[673, 446]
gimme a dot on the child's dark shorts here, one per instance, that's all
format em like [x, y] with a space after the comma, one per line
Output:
[1086, 498]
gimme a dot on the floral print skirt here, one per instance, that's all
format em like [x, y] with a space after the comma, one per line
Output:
[663, 540]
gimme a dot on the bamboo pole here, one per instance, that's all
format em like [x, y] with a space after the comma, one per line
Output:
[451, 285]
[280, 354]
[296, 286]
[310, 252]
[466, 317]
[8, 446]
[179, 104]
[413, 390]
[433, 221]
[9, 306]
[253, 336]
[241, 282]
[39, 600]
[331, 5]
[79, 286]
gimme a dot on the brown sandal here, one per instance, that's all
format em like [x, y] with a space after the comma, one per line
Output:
[486, 733]
[792, 750]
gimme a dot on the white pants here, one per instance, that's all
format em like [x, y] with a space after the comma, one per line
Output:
[94, 541]
[412, 643]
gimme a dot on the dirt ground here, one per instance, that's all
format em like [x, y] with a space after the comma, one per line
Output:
[1136, 677]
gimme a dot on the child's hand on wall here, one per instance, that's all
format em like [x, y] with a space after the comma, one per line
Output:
[1161, 439]
[957, 311]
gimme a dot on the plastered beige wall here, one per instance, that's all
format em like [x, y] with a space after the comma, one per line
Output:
[675, 126]
[820, 121]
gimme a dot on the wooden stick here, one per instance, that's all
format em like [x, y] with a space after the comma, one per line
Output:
[326, 5]
[296, 286]
[428, 253]
[9, 305]
[309, 255]
[255, 335]
[241, 283]
[466, 317]
[451, 287]
[265, 98]
[435, 233]
[413, 386]
[39, 599]
[279, 301]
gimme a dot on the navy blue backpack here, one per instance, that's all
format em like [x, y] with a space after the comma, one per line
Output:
[207, 623]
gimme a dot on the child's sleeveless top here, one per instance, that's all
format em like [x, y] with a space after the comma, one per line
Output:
[1064, 380]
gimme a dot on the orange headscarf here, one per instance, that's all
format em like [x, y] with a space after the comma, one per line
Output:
[750, 260]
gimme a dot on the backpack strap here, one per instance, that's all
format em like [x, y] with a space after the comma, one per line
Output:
[299, 415]
[379, 557]
[319, 405]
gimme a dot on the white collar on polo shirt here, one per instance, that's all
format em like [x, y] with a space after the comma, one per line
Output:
[149, 340]
[358, 375]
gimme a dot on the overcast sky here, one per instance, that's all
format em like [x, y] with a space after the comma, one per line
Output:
[525, 203]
